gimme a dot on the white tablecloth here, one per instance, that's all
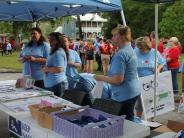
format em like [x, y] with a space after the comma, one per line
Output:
[131, 129]
[31, 128]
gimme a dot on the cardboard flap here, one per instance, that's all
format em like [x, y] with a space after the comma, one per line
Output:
[175, 126]
[163, 128]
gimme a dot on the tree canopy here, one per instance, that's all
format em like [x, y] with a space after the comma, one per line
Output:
[172, 23]
[140, 17]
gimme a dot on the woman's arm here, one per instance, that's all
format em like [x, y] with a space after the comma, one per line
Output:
[168, 59]
[74, 64]
[52, 69]
[115, 80]
[38, 60]
[159, 68]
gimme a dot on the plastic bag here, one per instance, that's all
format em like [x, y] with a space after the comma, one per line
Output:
[25, 82]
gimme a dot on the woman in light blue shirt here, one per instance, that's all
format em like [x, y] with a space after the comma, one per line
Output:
[146, 64]
[55, 78]
[122, 74]
[34, 56]
[74, 62]
[146, 55]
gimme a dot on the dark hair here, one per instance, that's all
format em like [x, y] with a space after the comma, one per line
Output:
[59, 43]
[42, 38]
[105, 40]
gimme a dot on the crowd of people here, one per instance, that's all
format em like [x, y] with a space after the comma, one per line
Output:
[6, 48]
[54, 65]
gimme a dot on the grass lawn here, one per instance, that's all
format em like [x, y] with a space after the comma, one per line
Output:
[11, 62]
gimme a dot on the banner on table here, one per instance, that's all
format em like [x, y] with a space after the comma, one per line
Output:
[24, 130]
[164, 95]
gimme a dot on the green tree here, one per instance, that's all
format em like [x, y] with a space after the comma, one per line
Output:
[172, 23]
[20, 28]
[5, 27]
[139, 17]
[113, 18]
[56, 22]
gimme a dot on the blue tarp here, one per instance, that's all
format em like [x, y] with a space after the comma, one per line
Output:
[156, 1]
[34, 10]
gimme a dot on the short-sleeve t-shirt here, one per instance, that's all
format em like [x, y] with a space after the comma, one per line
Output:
[57, 59]
[34, 68]
[124, 63]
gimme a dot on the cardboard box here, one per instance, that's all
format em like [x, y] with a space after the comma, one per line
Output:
[43, 115]
[172, 126]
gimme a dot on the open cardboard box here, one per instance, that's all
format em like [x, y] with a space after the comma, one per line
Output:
[43, 115]
[172, 126]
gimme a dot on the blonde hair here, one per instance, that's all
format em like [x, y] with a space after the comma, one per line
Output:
[175, 40]
[143, 42]
[90, 43]
[122, 30]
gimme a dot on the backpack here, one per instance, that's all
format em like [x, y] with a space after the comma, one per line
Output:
[89, 52]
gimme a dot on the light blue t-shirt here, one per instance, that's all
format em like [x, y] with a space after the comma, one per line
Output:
[124, 63]
[96, 45]
[34, 68]
[57, 59]
[8, 47]
[146, 62]
[71, 71]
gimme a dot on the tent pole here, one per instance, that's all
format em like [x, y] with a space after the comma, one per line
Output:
[123, 18]
[156, 47]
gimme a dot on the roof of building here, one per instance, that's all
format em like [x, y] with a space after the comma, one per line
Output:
[91, 17]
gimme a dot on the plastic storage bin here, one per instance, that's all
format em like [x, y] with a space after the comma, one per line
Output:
[68, 129]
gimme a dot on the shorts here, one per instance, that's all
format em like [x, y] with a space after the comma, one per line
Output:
[104, 57]
[90, 57]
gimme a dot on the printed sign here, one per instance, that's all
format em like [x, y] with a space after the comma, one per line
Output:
[164, 95]
[25, 130]
[15, 126]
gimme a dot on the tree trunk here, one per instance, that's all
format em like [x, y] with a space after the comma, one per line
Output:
[16, 31]
[79, 26]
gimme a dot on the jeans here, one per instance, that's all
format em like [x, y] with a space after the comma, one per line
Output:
[72, 81]
[128, 108]
[59, 88]
[99, 62]
[174, 73]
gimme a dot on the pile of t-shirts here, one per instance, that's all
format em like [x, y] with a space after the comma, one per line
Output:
[87, 120]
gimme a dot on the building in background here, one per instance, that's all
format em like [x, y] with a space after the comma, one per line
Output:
[91, 26]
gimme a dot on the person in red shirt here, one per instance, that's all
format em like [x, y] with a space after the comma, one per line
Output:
[172, 59]
[105, 50]
[12, 42]
[160, 47]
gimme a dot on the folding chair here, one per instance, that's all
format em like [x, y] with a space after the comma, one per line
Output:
[108, 106]
[77, 97]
